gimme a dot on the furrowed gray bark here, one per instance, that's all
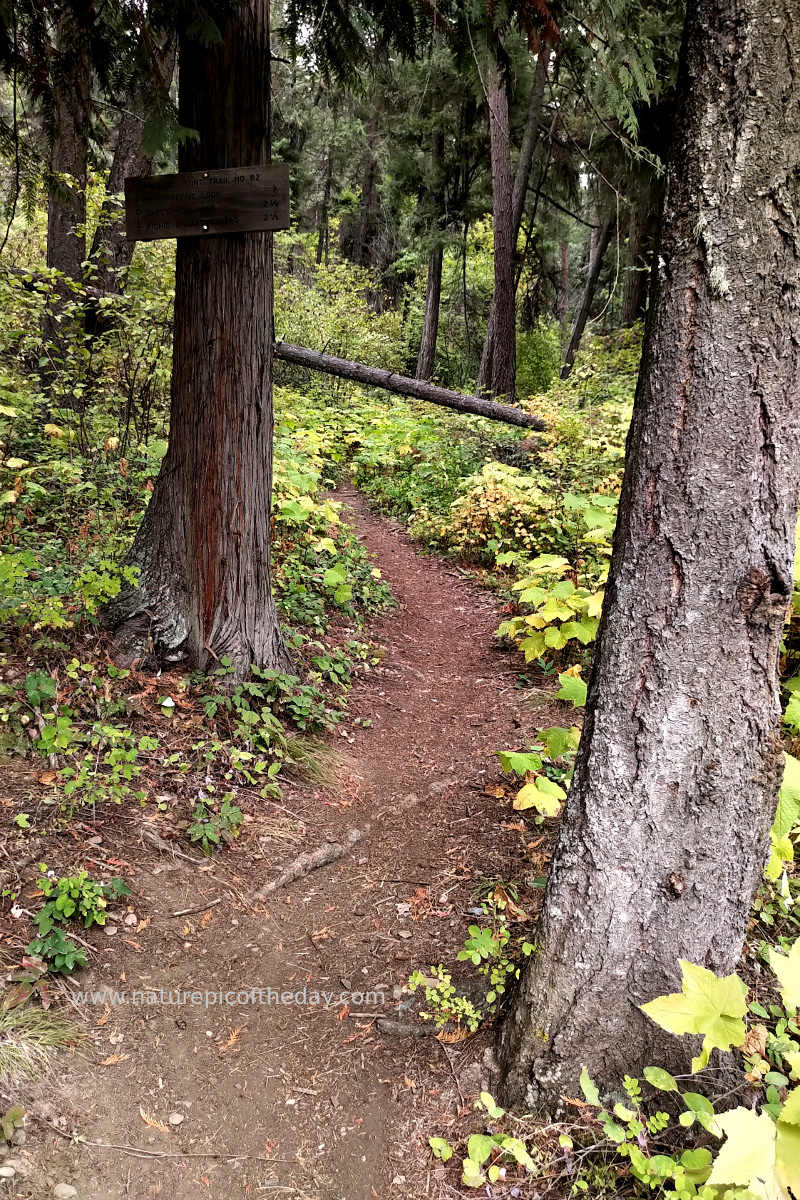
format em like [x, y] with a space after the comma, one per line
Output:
[665, 830]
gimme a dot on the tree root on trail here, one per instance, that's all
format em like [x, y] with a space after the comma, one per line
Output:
[304, 864]
[414, 1029]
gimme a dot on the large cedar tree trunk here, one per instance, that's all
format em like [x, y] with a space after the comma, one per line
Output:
[665, 832]
[599, 247]
[503, 337]
[522, 177]
[203, 546]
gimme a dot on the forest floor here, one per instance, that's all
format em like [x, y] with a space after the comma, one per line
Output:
[303, 1100]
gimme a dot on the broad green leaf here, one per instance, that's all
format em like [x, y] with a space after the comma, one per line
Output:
[660, 1079]
[697, 1164]
[441, 1148]
[548, 562]
[792, 714]
[520, 763]
[787, 969]
[542, 795]
[788, 811]
[516, 1148]
[572, 688]
[758, 1154]
[559, 740]
[708, 1005]
[555, 638]
[792, 1057]
[791, 1109]
[611, 1129]
[471, 1173]
[589, 1089]
[533, 646]
[479, 1147]
[787, 1156]
[494, 1110]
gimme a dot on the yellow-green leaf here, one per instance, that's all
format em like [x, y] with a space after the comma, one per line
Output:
[708, 1005]
[787, 969]
[748, 1156]
[542, 795]
[791, 1109]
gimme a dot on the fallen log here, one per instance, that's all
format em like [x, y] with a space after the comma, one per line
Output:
[390, 381]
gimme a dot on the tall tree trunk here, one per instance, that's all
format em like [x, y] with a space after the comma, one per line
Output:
[634, 288]
[426, 359]
[203, 545]
[665, 831]
[563, 293]
[522, 176]
[71, 80]
[430, 326]
[71, 89]
[324, 216]
[111, 250]
[504, 347]
[363, 249]
[600, 245]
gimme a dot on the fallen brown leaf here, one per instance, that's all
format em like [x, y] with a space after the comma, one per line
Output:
[131, 942]
[105, 1017]
[114, 1058]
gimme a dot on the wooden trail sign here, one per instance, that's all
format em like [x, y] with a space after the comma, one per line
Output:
[205, 203]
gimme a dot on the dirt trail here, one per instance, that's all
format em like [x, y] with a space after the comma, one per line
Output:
[322, 1103]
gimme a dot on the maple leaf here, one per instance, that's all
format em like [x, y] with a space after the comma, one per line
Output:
[787, 969]
[708, 1005]
[543, 795]
[758, 1154]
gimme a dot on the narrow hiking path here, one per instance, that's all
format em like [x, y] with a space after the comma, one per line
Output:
[321, 1102]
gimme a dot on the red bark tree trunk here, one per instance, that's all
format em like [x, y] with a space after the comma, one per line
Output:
[204, 589]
